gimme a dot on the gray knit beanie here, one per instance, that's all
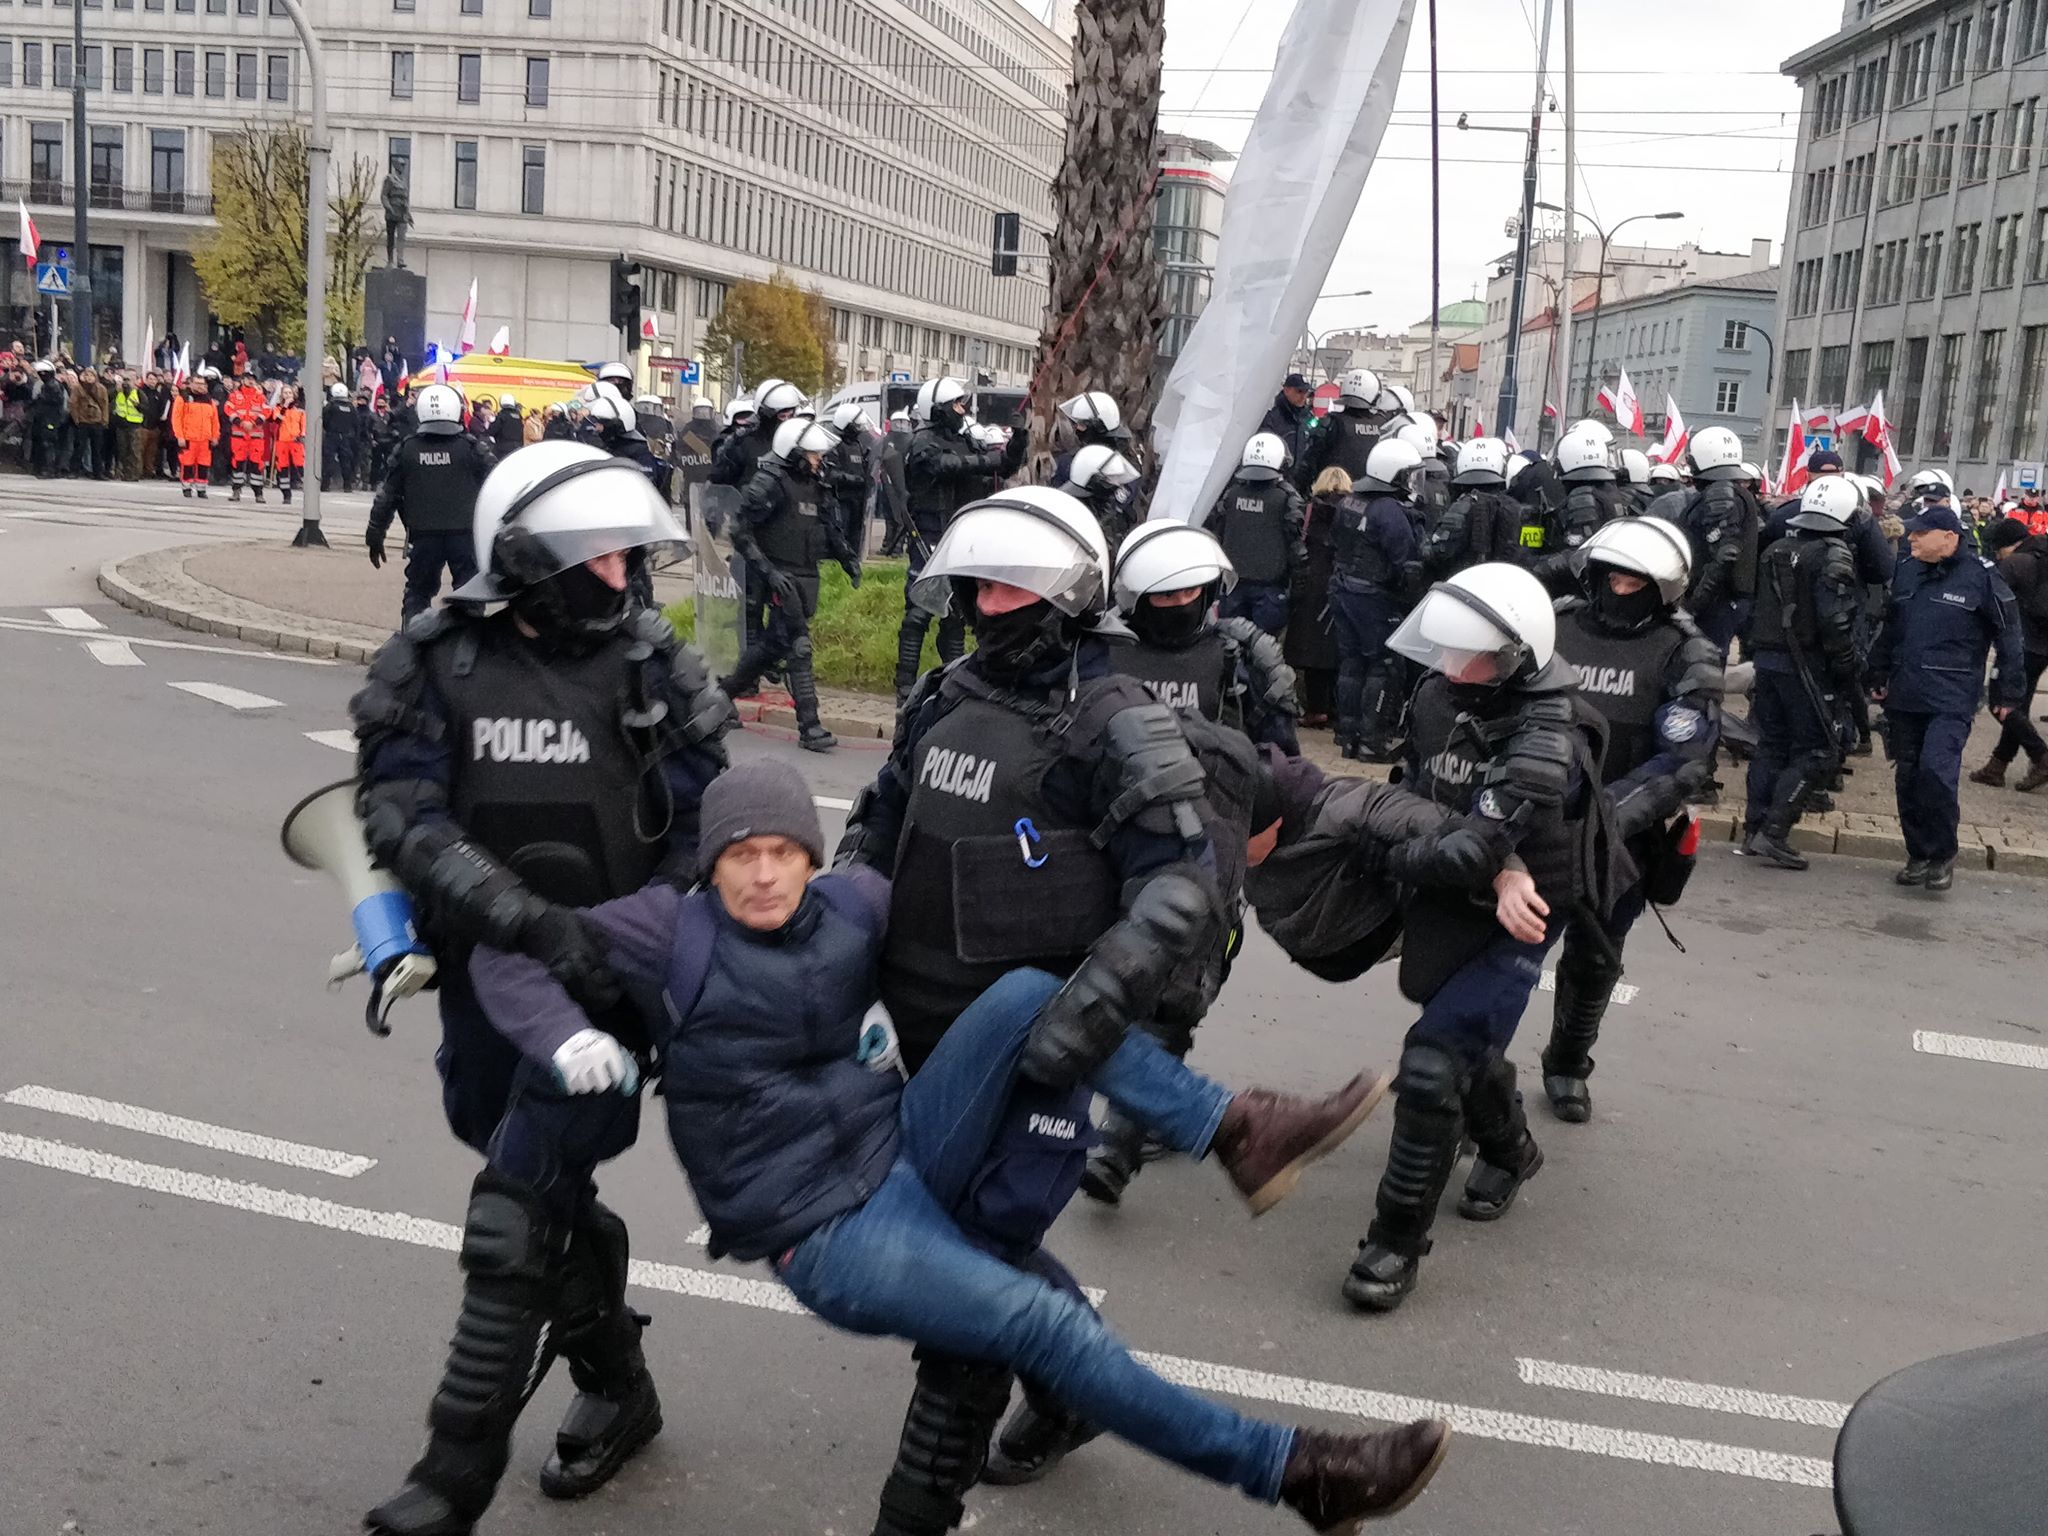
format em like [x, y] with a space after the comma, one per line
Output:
[763, 797]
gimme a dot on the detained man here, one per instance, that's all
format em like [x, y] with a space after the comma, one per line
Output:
[846, 1180]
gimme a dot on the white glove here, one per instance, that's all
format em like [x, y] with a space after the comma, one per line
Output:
[878, 1050]
[591, 1061]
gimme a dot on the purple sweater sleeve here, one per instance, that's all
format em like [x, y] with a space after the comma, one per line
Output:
[528, 1006]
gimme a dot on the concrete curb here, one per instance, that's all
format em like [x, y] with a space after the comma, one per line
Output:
[1849, 834]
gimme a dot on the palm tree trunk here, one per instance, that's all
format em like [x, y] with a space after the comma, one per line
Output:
[1102, 322]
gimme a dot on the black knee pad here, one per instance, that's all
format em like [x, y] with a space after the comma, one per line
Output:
[1430, 1077]
[1590, 965]
[800, 648]
[506, 1233]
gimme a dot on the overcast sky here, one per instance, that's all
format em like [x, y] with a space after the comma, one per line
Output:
[1678, 109]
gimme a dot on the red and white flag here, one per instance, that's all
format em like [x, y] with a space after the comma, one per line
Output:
[1820, 419]
[501, 344]
[181, 365]
[1675, 435]
[1551, 410]
[1478, 427]
[1878, 433]
[1999, 492]
[1792, 477]
[649, 331]
[466, 342]
[1508, 436]
[1853, 420]
[1622, 404]
[31, 242]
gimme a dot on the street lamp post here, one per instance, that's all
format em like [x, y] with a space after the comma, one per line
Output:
[310, 368]
[81, 168]
[1600, 289]
[1311, 340]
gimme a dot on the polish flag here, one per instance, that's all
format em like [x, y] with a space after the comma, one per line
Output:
[31, 242]
[501, 344]
[1820, 419]
[1999, 493]
[181, 367]
[1551, 410]
[1478, 428]
[1622, 404]
[466, 343]
[1508, 436]
[1878, 433]
[1675, 435]
[648, 330]
[1853, 419]
[1792, 478]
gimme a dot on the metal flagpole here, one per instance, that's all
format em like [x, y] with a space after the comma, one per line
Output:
[1510, 385]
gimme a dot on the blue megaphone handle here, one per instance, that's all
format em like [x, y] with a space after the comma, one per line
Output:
[384, 930]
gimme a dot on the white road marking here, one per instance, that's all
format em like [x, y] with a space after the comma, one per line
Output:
[827, 803]
[2005, 1053]
[39, 627]
[35, 514]
[341, 741]
[1684, 1394]
[234, 698]
[114, 653]
[132, 1117]
[700, 1237]
[1623, 992]
[74, 618]
[767, 1295]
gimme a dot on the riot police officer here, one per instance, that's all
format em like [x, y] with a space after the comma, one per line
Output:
[610, 423]
[1093, 420]
[1533, 482]
[1656, 681]
[1497, 736]
[1725, 524]
[515, 764]
[432, 485]
[1635, 482]
[849, 472]
[1585, 464]
[732, 463]
[1347, 436]
[784, 531]
[1482, 522]
[1036, 809]
[1104, 481]
[1377, 570]
[1802, 637]
[942, 471]
[508, 427]
[1258, 521]
[1430, 486]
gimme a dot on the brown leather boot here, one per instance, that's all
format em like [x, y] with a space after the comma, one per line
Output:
[1267, 1138]
[1992, 773]
[1338, 1482]
[2035, 776]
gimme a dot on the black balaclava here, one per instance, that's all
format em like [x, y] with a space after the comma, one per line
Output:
[1171, 626]
[573, 609]
[1627, 614]
[1018, 643]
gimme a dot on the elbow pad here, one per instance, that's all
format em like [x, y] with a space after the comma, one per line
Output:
[462, 893]
[1157, 783]
[1272, 679]
[1536, 766]
[1121, 980]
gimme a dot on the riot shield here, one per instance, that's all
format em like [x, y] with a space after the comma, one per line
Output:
[720, 576]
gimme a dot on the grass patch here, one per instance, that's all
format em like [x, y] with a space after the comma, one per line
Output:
[853, 635]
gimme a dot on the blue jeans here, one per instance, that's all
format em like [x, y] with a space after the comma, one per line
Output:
[1263, 602]
[1474, 1015]
[900, 1265]
[1927, 762]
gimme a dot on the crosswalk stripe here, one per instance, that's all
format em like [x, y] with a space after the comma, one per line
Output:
[74, 618]
[341, 741]
[234, 698]
[113, 653]
[2004, 1053]
[221, 1138]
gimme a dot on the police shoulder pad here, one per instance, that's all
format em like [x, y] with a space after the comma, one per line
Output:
[426, 627]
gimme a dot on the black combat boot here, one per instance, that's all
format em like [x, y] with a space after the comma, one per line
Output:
[1508, 1156]
[1584, 987]
[616, 1410]
[1040, 1435]
[1119, 1155]
[1428, 1092]
[953, 1414]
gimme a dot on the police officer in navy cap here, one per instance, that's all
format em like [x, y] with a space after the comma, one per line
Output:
[1950, 610]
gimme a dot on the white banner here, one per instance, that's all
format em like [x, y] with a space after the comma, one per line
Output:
[1292, 195]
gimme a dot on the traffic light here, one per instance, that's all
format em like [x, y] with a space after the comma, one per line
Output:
[626, 300]
[1009, 236]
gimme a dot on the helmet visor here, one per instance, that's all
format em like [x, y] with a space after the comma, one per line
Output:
[1452, 632]
[1018, 545]
[637, 518]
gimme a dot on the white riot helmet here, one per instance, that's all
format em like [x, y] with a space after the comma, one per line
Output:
[801, 434]
[1649, 547]
[851, 418]
[554, 505]
[1360, 388]
[617, 374]
[1482, 461]
[1099, 464]
[1635, 466]
[945, 392]
[1751, 472]
[438, 408]
[1583, 456]
[986, 434]
[1492, 623]
[606, 409]
[899, 419]
[1265, 457]
[1716, 454]
[334, 391]
[1093, 414]
[1827, 504]
[1599, 429]
[921, 407]
[1033, 537]
[1402, 399]
[1390, 464]
[1165, 554]
[1664, 474]
[738, 408]
[1931, 482]
[510, 402]
[778, 397]
[1419, 435]
[1871, 487]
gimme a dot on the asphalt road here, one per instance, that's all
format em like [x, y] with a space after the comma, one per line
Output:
[205, 1331]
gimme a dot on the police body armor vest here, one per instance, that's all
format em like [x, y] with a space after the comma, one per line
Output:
[1352, 440]
[1785, 617]
[1255, 530]
[933, 500]
[1587, 507]
[1192, 677]
[1358, 553]
[546, 778]
[1710, 507]
[988, 876]
[1621, 676]
[794, 539]
[1452, 536]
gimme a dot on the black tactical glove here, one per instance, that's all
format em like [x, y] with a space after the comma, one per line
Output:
[784, 586]
[558, 939]
[375, 539]
[851, 565]
[1463, 856]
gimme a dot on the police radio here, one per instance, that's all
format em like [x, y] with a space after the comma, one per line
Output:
[322, 832]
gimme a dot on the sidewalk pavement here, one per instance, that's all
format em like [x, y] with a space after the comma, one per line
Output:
[332, 603]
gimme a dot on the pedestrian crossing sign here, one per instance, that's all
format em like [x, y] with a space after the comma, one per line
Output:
[53, 280]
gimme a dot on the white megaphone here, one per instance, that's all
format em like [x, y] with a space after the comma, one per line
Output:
[323, 832]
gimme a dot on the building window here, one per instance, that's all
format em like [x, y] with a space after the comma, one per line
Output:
[107, 155]
[1955, 52]
[1962, 259]
[277, 73]
[1941, 431]
[31, 65]
[46, 162]
[216, 72]
[1806, 286]
[1901, 176]
[1877, 368]
[153, 71]
[472, 7]
[533, 179]
[1832, 385]
[1819, 197]
[405, 5]
[1916, 69]
[1906, 415]
[1727, 396]
[1858, 175]
[465, 174]
[2002, 259]
[1887, 272]
[2032, 37]
[184, 72]
[245, 77]
[1941, 160]
[94, 54]
[540, 10]
[401, 74]
[124, 68]
[1984, 392]
[398, 159]
[60, 67]
[1978, 137]
[2032, 382]
[469, 77]
[1827, 105]
[1793, 384]
[536, 82]
[1991, 35]
[1866, 90]
[2017, 152]
[2037, 250]
[1735, 336]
